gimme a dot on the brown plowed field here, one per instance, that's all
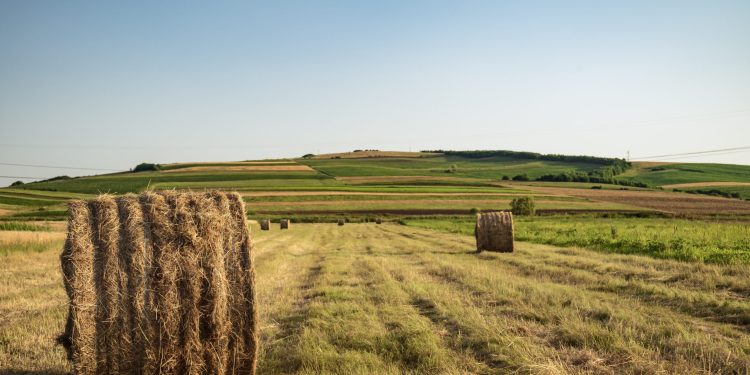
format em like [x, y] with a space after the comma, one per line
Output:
[705, 184]
[677, 203]
[324, 193]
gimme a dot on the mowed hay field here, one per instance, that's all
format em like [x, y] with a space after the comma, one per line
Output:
[392, 299]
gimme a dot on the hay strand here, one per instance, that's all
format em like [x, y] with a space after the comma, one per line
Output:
[494, 232]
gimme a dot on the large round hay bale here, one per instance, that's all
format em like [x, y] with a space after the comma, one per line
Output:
[378, 221]
[494, 232]
[284, 224]
[265, 224]
[143, 273]
[341, 222]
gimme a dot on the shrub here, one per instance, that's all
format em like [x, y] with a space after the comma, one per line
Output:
[597, 187]
[523, 206]
[506, 178]
[521, 177]
[143, 167]
[17, 183]
[474, 211]
[307, 156]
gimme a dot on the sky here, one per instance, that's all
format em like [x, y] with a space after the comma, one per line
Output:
[107, 85]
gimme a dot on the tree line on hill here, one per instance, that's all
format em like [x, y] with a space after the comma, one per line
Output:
[611, 167]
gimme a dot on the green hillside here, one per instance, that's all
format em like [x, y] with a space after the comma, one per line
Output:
[371, 182]
[682, 173]
[446, 166]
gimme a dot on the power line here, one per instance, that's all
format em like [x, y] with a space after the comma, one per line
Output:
[60, 167]
[28, 178]
[702, 155]
[695, 153]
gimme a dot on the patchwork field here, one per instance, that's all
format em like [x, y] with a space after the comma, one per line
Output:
[393, 299]
[392, 183]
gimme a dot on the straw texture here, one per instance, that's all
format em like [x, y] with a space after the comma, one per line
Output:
[494, 232]
[160, 283]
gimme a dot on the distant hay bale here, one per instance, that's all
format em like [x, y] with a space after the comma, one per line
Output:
[341, 222]
[284, 224]
[160, 283]
[265, 224]
[378, 221]
[494, 232]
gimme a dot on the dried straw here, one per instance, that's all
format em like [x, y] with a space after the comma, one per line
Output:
[161, 283]
[494, 232]
[265, 224]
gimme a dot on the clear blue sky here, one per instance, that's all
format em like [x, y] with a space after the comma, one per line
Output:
[106, 84]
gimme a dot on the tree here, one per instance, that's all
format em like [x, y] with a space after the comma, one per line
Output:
[147, 167]
[523, 206]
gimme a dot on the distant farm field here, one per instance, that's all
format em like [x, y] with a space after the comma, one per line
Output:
[484, 168]
[688, 240]
[393, 299]
[659, 174]
[357, 184]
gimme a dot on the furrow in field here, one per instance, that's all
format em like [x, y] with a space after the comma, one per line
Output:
[611, 328]
[286, 269]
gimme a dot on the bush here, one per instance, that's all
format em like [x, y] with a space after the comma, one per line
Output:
[506, 178]
[521, 177]
[597, 187]
[523, 206]
[307, 156]
[143, 167]
[17, 183]
[474, 211]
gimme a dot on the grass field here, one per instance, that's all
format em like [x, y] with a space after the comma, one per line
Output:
[391, 299]
[415, 175]
[681, 173]
[493, 168]
[688, 240]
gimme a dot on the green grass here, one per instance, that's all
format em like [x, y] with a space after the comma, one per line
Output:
[23, 226]
[687, 173]
[388, 299]
[487, 168]
[687, 240]
[26, 202]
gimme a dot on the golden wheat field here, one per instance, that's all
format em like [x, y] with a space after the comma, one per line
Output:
[391, 299]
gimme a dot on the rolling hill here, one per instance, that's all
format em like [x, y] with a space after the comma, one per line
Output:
[402, 183]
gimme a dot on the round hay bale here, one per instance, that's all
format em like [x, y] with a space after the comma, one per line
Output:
[164, 275]
[494, 232]
[341, 222]
[265, 224]
[378, 221]
[284, 224]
